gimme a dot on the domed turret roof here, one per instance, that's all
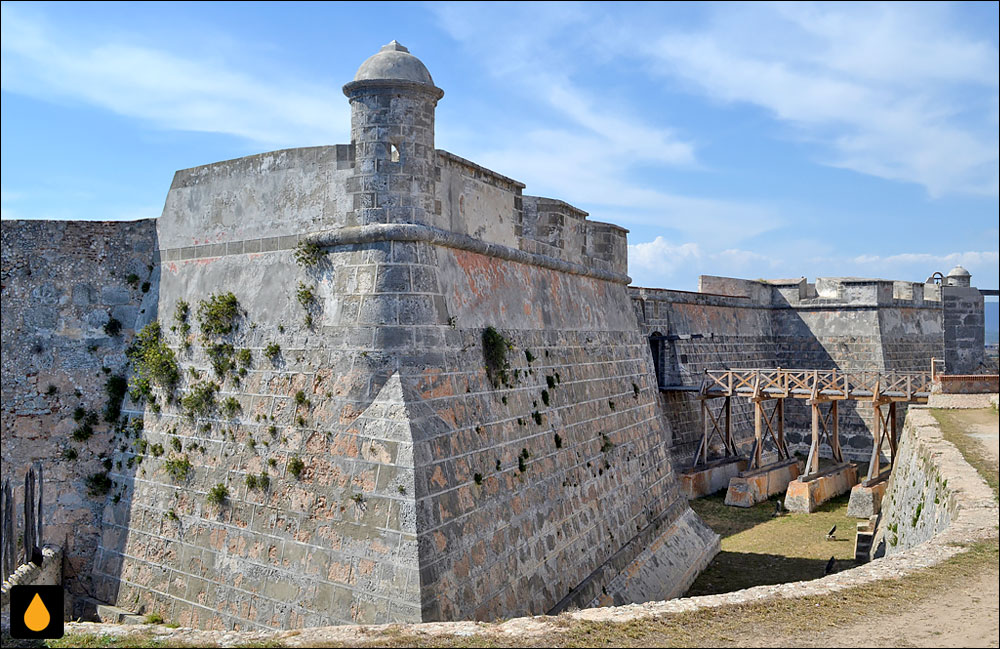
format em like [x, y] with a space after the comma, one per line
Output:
[958, 271]
[394, 62]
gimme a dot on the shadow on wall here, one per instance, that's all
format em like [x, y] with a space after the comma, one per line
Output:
[690, 334]
[73, 295]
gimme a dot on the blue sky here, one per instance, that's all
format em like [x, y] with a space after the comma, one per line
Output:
[752, 140]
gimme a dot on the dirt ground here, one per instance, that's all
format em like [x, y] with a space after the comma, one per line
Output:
[967, 615]
[963, 616]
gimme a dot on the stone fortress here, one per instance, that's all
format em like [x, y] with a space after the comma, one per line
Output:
[429, 397]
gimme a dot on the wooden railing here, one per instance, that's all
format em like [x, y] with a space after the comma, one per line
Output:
[874, 385]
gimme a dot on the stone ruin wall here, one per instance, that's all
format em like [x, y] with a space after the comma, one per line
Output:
[62, 282]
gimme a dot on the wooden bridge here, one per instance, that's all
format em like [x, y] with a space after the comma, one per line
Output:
[823, 390]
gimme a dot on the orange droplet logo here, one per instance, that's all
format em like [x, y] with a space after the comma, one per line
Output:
[37, 617]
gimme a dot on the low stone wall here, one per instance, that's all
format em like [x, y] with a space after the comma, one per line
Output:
[932, 488]
[50, 573]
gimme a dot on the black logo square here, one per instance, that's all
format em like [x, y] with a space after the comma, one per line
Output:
[36, 612]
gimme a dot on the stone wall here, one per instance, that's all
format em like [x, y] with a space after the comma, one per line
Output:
[428, 490]
[62, 283]
[931, 490]
[838, 323]
[964, 331]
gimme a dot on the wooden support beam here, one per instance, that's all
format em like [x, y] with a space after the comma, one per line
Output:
[758, 434]
[812, 463]
[873, 465]
[838, 455]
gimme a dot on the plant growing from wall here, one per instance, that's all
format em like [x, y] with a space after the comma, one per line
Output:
[178, 468]
[156, 449]
[98, 484]
[220, 355]
[495, 348]
[273, 352]
[545, 397]
[231, 407]
[308, 253]
[200, 399]
[217, 314]
[296, 466]
[115, 387]
[132, 280]
[154, 362]
[113, 327]
[218, 494]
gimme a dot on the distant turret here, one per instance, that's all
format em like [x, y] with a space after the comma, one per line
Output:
[958, 276]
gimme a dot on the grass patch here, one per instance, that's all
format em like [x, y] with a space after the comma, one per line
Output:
[759, 548]
[955, 427]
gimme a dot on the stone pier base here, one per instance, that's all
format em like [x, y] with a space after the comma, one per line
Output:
[714, 476]
[807, 494]
[866, 498]
[751, 487]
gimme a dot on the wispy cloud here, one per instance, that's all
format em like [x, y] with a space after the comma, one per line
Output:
[894, 91]
[595, 144]
[164, 89]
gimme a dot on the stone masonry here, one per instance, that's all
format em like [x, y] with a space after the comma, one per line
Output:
[430, 397]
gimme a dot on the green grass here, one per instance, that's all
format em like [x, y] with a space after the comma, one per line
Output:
[955, 425]
[758, 548]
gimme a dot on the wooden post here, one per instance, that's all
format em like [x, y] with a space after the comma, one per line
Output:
[892, 433]
[758, 435]
[877, 445]
[782, 447]
[812, 463]
[730, 445]
[835, 437]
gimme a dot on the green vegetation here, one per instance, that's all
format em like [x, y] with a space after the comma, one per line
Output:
[301, 400]
[156, 449]
[244, 358]
[759, 548]
[200, 399]
[115, 387]
[308, 253]
[606, 444]
[296, 466]
[304, 294]
[175, 443]
[262, 481]
[218, 494]
[113, 327]
[537, 416]
[217, 315]
[69, 453]
[273, 352]
[132, 280]
[153, 618]
[558, 440]
[545, 397]
[231, 407]
[179, 468]
[478, 478]
[98, 484]
[495, 348]
[153, 361]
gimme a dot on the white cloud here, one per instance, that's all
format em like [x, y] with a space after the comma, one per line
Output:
[593, 155]
[167, 90]
[893, 91]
